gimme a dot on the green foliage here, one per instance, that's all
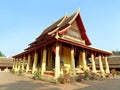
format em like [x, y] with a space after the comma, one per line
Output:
[12, 71]
[1, 54]
[79, 78]
[20, 72]
[93, 76]
[118, 72]
[86, 74]
[89, 76]
[37, 75]
[116, 53]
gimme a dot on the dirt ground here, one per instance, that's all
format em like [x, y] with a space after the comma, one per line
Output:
[9, 81]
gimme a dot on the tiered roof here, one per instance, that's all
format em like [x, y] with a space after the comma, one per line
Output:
[59, 28]
[6, 62]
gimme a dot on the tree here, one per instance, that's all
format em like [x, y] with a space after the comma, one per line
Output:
[116, 53]
[1, 54]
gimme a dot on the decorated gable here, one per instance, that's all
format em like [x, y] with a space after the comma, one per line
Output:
[73, 34]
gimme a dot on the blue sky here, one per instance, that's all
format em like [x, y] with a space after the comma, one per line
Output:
[21, 21]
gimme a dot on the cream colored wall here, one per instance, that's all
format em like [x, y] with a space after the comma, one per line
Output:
[67, 57]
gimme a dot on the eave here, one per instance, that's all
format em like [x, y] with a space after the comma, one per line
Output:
[49, 41]
[85, 47]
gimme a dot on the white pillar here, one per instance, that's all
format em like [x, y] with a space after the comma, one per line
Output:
[107, 65]
[57, 61]
[93, 63]
[19, 64]
[44, 61]
[101, 65]
[23, 63]
[72, 61]
[16, 69]
[28, 63]
[35, 62]
[13, 67]
[84, 61]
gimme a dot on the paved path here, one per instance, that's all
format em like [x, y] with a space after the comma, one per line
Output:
[107, 84]
[13, 82]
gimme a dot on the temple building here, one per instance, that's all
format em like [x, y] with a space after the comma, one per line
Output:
[6, 63]
[63, 47]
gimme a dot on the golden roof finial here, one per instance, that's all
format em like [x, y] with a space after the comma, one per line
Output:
[78, 10]
[66, 14]
[57, 36]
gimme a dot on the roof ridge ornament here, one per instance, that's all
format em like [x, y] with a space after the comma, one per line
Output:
[78, 10]
[66, 14]
[57, 35]
[76, 14]
[62, 20]
[64, 30]
[49, 33]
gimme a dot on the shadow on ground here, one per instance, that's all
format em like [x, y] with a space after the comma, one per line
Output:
[27, 85]
[13, 82]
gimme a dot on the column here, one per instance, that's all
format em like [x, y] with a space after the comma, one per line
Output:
[16, 66]
[43, 68]
[93, 63]
[84, 61]
[28, 63]
[19, 64]
[35, 62]
[72, 61]
[23, 64]
[57, 61]
[13, 67]
[100, 64]
[107, 65]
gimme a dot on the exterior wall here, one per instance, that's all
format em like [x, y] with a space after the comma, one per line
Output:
[114, 62]
[67, 58]
[6, 63]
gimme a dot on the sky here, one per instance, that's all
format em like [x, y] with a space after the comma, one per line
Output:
[22, 21]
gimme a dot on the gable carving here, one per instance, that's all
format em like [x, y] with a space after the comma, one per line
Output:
[73, 34]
